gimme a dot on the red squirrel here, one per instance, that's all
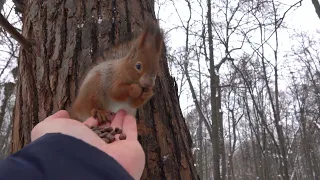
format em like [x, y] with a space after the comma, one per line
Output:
[125, 83]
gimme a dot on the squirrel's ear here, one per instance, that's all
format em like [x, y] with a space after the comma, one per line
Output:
[153, 34]
[143, 39]
[158, 41]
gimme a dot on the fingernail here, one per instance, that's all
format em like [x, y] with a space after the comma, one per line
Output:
[123, 111]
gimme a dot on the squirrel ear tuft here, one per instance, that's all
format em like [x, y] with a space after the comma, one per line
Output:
[143, 39]
[153, 34]
[158, 41]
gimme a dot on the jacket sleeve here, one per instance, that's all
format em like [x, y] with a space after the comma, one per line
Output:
[57, 156]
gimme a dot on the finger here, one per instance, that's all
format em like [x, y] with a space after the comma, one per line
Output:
[130, 127]
[106, 124]
[59, 114]
[91, 122]
[118, 119]
[112, 115]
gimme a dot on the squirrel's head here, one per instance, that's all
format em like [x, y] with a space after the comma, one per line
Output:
[144, 57]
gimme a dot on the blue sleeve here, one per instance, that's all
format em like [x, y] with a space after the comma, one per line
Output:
[57, 156]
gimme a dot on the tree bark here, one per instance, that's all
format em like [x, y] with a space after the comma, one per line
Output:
[8, 90]
[214, 111]
[5, 106]
[67, 36]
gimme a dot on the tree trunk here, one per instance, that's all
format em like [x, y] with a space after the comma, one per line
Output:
[5, 106]
[67, 37]
[200, 136]
[214, 111]
[222, 152]
[8, 90]
[200, 146]
[6, 146]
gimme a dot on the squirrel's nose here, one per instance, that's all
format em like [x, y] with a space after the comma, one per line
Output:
[146, 82]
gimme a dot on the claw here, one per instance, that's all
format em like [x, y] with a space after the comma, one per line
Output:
[102, 116]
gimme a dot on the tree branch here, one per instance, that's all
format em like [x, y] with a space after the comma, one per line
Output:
[223, 60]
[1, 4]
[14, 33]
[317, 7]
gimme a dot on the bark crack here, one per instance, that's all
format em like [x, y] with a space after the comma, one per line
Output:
[31, 67]
[99, 9]
[78, 48]
[84, 9]
[127, 16]
[142, 10]
[64, 35]
[94, 40]
[20, 136]
[64, 32]
[46, 63]
[113, 20]
[77, 51]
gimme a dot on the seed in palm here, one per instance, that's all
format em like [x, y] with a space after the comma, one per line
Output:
[110, 137]
[123, 136]
[107, 129]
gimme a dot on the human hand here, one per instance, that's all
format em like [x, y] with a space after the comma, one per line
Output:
[128, 153]
[147, 94]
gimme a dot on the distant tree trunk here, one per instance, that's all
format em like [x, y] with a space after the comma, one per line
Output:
[214, 108]
[200, 136]
[5, 150]
[67, 36]
[305, 148]
[5, 139]
[8, 90]
[208, 173]
[222, 151]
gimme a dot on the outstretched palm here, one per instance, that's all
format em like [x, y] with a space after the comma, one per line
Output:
[128, 153]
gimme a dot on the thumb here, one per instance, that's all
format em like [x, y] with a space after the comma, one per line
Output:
[91, 122]
[59, 114]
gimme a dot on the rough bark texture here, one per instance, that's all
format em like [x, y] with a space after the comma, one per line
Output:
[67, 36]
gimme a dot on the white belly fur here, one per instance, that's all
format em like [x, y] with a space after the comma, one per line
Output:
[116, 106]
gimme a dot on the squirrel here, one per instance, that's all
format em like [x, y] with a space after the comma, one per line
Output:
[126, 83]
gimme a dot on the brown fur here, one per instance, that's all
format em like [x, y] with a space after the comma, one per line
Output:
[117, 84]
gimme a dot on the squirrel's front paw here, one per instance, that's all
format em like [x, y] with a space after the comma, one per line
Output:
[147, 94]
[102, 116]
[135, 90]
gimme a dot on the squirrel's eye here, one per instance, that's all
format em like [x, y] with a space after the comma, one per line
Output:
[138, 66]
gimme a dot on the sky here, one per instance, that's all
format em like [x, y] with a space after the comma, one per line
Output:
[303, 18]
